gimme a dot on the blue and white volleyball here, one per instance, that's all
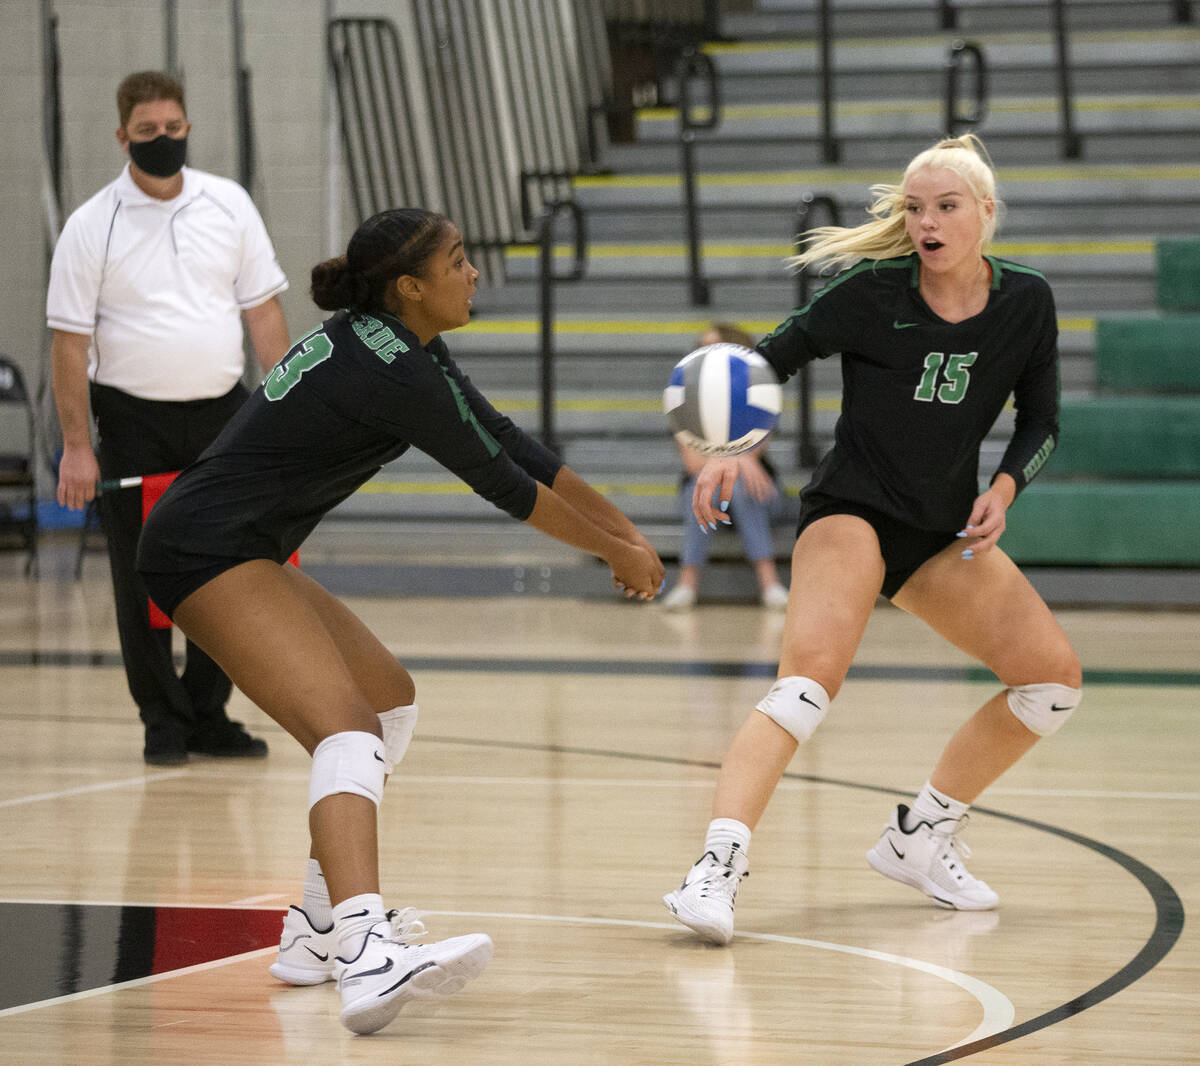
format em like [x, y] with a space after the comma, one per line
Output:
[722, 399]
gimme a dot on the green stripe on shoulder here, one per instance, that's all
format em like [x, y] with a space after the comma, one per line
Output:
[1016, 268]
[900, 263]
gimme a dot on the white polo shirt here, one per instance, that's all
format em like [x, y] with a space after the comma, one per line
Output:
[160, 285]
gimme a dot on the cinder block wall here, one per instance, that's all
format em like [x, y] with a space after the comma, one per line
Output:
[101, 41]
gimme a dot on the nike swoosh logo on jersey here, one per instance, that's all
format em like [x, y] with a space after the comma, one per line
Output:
[1056, 707]
[897, 324]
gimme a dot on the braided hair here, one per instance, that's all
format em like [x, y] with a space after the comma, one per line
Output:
[385, 247]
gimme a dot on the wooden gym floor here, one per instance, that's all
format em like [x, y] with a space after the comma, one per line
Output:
[559, 784]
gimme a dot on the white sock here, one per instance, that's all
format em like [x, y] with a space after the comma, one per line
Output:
[725, 836]
[352, 919]
[933, 806]
[316, 897]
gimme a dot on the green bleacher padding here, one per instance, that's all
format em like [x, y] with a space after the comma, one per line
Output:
[1149, 353]
[1128, 436]
[1150, 523]
[1177, 261]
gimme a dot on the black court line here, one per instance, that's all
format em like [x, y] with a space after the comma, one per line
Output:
[1168, 907]
[652, 667]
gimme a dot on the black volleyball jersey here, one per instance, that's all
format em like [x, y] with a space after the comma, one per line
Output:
[919, 394]
[347, 398]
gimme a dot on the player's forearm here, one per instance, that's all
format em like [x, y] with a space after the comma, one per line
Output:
[1005, 487]
[556, 516]
[592, 505]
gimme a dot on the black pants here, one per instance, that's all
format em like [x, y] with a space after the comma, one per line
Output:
[154, 437]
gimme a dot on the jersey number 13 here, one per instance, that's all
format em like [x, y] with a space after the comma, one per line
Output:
[308, 352]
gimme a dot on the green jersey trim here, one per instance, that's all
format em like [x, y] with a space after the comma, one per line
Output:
[850, 272]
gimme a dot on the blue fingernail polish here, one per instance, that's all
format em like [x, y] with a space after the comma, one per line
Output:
[962, 534]
[968, 554]
[724, 505]
[712, 526]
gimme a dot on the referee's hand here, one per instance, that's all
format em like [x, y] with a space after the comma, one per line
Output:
[78, 473]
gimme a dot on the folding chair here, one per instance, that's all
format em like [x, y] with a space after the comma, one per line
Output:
[18, 467]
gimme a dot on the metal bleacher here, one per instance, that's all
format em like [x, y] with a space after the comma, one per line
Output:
[1094, 224]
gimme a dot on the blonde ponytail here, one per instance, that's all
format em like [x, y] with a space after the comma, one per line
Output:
[885, 235]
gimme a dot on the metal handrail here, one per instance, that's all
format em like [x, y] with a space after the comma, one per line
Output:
[955, 121]
[806, 446]
[1072, 144]
[693, 62]
[546, 279]
[830, 150]
[712, 20]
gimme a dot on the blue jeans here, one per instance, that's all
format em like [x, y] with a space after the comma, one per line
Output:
[751, 520]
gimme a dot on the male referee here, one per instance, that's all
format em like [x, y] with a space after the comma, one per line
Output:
[150, 283]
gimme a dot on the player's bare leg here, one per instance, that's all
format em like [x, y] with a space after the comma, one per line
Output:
[836, 575]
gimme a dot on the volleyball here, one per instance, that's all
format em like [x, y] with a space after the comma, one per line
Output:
[722, 399]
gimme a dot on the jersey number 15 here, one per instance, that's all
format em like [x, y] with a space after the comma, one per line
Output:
[956, 377]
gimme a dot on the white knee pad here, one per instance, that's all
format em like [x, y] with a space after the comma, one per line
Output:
[798, 704]
[398, 725]
[347, 762]
[1042, 709]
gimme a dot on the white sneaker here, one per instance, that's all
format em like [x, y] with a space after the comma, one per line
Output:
[775, 598]
[680, 598]
[704, 902]
[387, 973]
[306, 954]
[930, 858]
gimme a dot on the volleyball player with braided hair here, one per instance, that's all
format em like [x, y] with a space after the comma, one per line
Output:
[934, 334]
[373, 380]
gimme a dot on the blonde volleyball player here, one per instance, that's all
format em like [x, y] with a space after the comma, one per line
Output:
[935, 334]
[374, 379]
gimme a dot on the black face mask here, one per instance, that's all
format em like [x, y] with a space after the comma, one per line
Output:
[162, 157]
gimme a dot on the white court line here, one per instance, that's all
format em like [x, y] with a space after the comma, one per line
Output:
[998, 1011]
[586, 782]
[135, 983]
[707, 782]
[235, 906]
[103, 786]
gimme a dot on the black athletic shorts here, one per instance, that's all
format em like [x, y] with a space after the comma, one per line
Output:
[904, 547]
[169, 589]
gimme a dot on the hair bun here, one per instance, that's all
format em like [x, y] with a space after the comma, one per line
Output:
[335, 285]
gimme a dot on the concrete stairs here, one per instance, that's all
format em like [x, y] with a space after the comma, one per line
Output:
[1093, 225]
